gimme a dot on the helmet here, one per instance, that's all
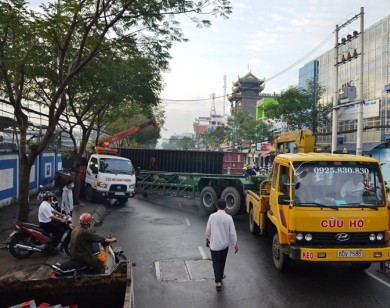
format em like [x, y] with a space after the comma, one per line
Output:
[47, 195]
[85, 219]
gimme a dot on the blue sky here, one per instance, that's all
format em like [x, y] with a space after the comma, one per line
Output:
[264, 37]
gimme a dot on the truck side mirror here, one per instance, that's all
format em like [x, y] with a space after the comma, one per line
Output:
[94, 169]
[284, 199]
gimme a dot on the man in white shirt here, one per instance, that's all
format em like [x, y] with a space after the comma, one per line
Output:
[220, 228]
[353, 189]
[51, 220]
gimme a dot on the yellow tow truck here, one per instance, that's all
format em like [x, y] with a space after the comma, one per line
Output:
[309, 207]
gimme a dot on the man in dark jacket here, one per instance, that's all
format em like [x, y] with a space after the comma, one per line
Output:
[81, 242]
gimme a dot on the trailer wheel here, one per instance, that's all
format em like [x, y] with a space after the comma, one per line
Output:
[253, 228]
[233, 200]
[89, 194]
[281, 260]
[208, 199]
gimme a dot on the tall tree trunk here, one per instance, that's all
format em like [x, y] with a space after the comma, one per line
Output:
[25, 168]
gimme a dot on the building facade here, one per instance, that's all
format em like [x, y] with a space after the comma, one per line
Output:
[376, 75]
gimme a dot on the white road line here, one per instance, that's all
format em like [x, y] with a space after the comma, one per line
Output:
[380, 280]
[188, 222]
[204, 257]
[157, 267]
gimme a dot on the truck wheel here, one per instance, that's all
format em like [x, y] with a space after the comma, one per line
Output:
[253, 227]
[233, 200]
[89, 194]
[281, 260]
[208, 199]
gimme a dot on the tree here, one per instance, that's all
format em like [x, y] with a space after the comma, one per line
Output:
[299, 108]
[40, 54]
[214, 138]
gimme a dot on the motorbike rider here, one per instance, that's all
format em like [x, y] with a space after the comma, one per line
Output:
[81, 241]
[50, 219]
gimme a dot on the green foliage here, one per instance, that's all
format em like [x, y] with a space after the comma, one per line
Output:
[214, 138]
[299, 108]
[41, 54]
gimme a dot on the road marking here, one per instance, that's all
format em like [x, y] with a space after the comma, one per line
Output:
[380, 280]
[188, 222]
[157, 267]
[204, 257]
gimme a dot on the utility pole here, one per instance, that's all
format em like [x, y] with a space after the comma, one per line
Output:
[360, 100]
[359, 141]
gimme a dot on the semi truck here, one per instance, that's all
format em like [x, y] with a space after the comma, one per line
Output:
[312, 214]
[106, 175]
[207, 175]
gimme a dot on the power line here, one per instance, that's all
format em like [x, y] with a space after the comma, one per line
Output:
[320, 45]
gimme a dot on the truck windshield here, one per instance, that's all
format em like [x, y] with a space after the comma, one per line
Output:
[114, 165]
[338, 184]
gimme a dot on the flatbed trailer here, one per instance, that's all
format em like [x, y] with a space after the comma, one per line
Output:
[208, 187]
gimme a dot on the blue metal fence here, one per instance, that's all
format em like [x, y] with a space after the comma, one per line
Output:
[42, 173]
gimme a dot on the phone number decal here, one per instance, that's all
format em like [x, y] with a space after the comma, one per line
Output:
[344, 170]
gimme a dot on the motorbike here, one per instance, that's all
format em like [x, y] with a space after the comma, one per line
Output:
[71, 267]
[30, 238]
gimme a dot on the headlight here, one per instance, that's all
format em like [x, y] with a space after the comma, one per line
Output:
[379, 236]
[102, 185]
[308, 237]
[132, 186]
[372, 237]
[299, 237]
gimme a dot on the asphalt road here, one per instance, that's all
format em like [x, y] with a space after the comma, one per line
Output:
[164, 237]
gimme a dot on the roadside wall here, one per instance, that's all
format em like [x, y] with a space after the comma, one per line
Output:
[42, 173]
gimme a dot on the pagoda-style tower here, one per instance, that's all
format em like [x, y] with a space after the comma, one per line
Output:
[245, 94]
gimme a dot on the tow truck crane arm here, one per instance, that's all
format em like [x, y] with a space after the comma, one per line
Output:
[103, 144]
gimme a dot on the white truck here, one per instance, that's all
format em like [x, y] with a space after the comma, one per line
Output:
[109, 177]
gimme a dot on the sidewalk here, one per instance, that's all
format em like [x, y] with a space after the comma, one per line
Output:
[15, 269]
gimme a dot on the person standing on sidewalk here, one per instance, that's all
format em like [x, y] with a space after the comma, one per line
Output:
[220, 228]
[67, 198]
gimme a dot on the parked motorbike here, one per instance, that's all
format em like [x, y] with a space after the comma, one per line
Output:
[30, 238]
[75, 268]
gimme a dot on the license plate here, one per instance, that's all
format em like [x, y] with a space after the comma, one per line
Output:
[349, 254]
[119, 194]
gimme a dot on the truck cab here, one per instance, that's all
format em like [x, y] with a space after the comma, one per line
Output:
[109, 177]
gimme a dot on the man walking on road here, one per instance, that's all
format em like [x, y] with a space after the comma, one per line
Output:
[220, 228]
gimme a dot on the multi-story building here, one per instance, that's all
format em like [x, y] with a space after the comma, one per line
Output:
[375, 81]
